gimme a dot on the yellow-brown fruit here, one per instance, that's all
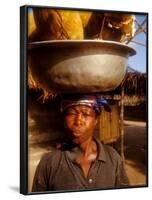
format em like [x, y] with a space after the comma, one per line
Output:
[72, 23]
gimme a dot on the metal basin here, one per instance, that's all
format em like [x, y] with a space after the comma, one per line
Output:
[78, 65]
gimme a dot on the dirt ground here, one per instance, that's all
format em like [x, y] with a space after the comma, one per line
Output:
[135, 153]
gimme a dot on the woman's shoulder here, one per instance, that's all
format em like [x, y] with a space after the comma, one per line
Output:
[112, 153]
[110, 149]
[49, 162]
[51, 156]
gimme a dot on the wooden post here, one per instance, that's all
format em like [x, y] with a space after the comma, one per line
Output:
[122, 124]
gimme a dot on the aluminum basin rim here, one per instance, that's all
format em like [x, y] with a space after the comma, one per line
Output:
[52, 43]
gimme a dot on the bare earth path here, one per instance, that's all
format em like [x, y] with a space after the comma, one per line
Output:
[136, 151]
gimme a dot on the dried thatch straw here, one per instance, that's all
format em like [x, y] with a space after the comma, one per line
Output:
[34, 85]
[135, 84]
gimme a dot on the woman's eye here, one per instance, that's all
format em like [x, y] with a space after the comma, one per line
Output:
[86, 114]
[71, 113]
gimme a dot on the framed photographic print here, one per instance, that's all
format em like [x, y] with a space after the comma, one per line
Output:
[83, 90]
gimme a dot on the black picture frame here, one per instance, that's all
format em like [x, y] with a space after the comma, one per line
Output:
[24, 96]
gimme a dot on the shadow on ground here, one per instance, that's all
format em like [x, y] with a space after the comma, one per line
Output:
[15, 188]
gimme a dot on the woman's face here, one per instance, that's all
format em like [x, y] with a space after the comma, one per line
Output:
[80, 122]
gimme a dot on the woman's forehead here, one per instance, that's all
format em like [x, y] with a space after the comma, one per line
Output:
[81, 108]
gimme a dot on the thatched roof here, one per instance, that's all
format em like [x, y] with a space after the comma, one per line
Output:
[135, 83]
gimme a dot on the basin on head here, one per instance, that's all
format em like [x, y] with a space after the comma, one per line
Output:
[78, 65]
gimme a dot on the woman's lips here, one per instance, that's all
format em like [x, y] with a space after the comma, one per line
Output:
[76, 134]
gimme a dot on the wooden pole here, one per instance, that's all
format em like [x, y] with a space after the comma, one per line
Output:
[122, 124]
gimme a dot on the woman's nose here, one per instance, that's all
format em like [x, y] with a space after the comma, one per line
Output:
[78, 119]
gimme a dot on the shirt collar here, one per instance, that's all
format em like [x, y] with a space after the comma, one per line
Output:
[101, 150]
[73, 153]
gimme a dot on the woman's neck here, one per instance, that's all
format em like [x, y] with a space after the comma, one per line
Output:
[88, 147]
